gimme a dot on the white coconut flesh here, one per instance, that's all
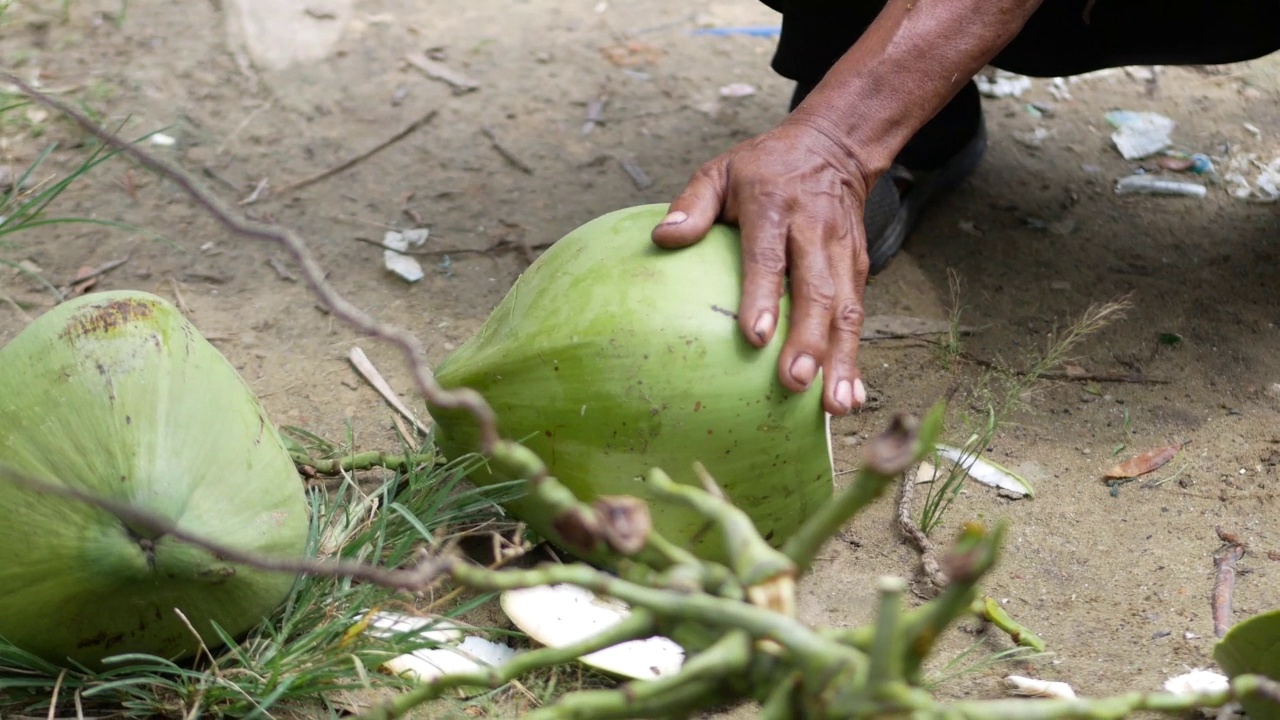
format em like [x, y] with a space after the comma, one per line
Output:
[560, 615]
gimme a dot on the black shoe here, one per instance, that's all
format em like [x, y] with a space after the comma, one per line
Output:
[898, 200]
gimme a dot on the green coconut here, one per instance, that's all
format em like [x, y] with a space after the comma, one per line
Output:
[610, 356]
[118, 395]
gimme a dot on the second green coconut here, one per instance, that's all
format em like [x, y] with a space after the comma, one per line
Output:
[610, 356]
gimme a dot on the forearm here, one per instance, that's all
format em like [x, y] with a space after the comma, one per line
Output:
[908, 64]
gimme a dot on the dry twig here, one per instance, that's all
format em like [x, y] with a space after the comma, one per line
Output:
[505, 152]
[339, 306]
[427, 570]
[1224, 583]
[928, 553]
[352, 162]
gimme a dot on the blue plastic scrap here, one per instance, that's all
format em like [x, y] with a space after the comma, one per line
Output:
[763, 31]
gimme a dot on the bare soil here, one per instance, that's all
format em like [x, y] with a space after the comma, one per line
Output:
[1117, 583]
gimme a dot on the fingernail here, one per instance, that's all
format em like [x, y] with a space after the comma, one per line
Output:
[764, 324]
[859, 392]
[844, 394]
[675, 217]
[802, 369]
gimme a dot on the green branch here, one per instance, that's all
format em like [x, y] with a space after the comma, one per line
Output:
[696, 685]
[362, 461]
[639, 624]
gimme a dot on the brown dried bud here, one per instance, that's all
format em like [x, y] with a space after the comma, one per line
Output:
[625, 522]
[579, 530]
[892, 451]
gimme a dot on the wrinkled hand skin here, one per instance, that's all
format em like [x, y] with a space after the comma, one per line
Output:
[797, 196]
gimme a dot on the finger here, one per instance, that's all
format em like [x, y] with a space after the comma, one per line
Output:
[843, 389]
[812, 295]
[764, 268]
[695, 209]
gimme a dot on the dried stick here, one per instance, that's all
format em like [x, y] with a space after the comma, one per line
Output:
[339, 306]
[506, 153]
[348, 164]
[1224, 583]
[418, 577]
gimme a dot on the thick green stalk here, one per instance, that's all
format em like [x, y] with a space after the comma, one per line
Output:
[889, 646]
[639, 624]
[1111, 708]
[887, 456]
[674, 607]
[695, 686]
[362, 461]
[804, 546]
[779, 703]
[988, 609]
[752, 559]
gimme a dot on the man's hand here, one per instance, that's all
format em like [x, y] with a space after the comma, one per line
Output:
[797, 195]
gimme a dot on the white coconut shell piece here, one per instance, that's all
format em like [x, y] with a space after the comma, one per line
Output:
[1033, 687]
[474, 653]
[988, 472]
[559, 615]
[434, 629]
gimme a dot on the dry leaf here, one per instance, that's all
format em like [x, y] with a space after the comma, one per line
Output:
[85, 278]
[1145, 462]
[1074, 370]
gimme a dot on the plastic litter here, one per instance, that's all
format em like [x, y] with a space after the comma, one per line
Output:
[403, 265]
[1002, 84]
[737, 90]
[1139, 134]
[1153, 185]
[1265, 186]
[763, 31]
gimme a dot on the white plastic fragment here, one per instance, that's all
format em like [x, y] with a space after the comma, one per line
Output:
[558, 615]
[1139, 134]
[1002, 84]
[988, 472]
[162, 140]
[403, 265]
[1152, 185]
[1032, 687]
[737, 90]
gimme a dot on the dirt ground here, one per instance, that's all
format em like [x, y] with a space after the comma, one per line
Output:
[1118, 585]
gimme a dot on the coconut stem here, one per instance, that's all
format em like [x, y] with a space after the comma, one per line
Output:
[363, 461]
[674, 696]
[752, 560]
[638, 625]
[887, 456]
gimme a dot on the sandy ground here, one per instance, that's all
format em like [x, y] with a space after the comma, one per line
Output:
[1117, 584]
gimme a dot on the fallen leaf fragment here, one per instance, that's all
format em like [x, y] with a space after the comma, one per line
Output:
[1145, 462]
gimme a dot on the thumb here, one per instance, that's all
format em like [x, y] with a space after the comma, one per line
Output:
[694, 210]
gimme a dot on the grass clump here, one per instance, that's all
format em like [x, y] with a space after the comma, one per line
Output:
[1003, 392]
